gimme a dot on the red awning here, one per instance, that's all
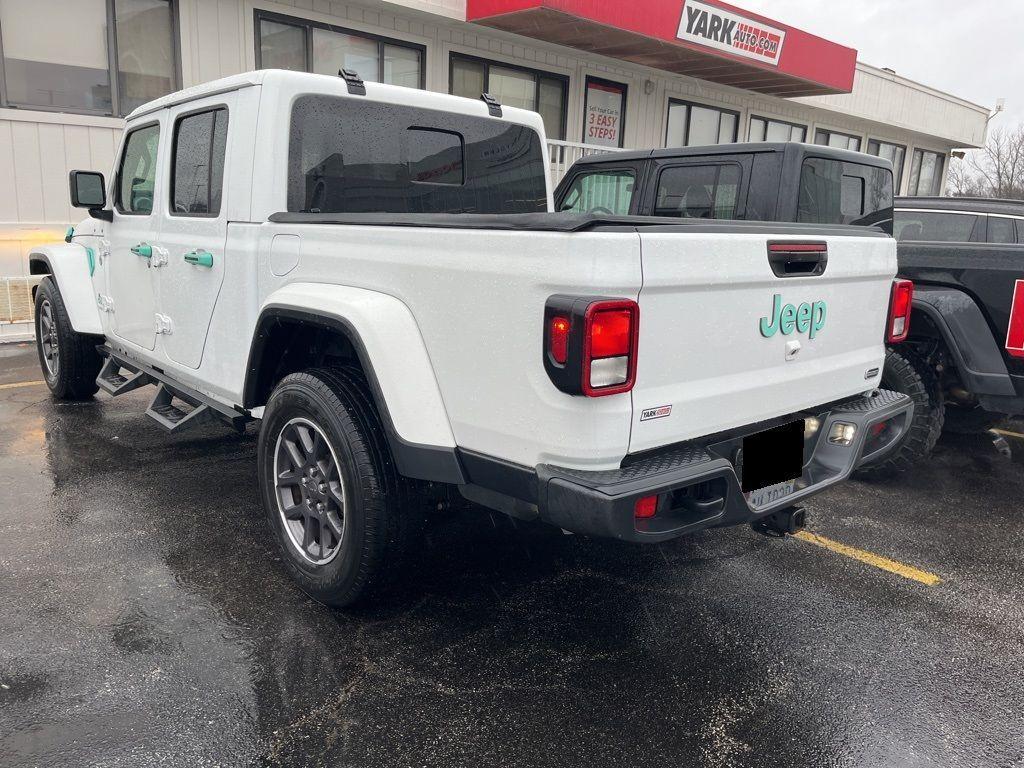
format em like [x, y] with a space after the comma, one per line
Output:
[701, 38]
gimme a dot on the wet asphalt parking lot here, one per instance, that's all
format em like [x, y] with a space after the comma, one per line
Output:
[145, 619]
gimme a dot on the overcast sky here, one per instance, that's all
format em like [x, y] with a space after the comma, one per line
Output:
[973, 50]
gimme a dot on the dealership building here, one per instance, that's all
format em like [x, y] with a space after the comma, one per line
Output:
[604, 75]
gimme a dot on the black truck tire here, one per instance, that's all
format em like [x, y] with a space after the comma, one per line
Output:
[909, 373]
[69, 360]
[330, 490]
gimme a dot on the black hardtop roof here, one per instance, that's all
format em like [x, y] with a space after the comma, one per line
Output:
[816, 150]
[972, 204]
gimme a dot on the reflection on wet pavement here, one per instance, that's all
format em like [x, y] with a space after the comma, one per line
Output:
[147, 620]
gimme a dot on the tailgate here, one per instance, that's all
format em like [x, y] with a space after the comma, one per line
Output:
[726, 342]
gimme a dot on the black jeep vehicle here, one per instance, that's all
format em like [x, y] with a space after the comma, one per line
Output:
[754, 182]
[966, 344]
[963, 362]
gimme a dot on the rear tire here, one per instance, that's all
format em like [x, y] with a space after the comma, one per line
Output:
[907, 372]
[330, 490]
[69, 360]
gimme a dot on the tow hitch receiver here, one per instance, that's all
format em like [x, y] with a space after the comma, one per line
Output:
[778, 524]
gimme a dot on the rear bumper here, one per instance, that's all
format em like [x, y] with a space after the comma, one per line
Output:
[700, 481]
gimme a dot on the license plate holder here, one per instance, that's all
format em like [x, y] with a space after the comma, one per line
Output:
[773, 458]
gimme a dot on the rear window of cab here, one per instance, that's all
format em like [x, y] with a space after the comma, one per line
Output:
[357, 156]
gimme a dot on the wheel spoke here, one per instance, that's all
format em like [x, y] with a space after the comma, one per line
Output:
[334, 491]
[307, 532]
[295, 512]
[289, 477]
[335, 525]
[319, 447]
[306, 436]
[295, 455]
[324, 535]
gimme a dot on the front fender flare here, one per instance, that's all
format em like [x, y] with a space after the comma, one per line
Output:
[68, 264]
[384, 335]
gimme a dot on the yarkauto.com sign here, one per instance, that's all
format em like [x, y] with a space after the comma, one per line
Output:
[728, 31]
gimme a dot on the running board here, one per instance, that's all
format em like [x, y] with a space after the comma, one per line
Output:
[113, 381]
[175, 407]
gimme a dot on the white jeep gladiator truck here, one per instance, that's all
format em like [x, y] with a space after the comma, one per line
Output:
[374, 274]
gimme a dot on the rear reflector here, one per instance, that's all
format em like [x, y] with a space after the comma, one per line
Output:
[558, 339]
[898, 327]
[646, 507]
[1015, 333]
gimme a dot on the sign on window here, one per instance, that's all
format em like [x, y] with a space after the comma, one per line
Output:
[605, 110]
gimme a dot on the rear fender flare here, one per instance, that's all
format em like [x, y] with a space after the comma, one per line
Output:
[68, 264]
[968, 337]
[387, 341]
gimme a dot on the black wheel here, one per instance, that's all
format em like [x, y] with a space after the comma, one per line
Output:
[967, 420]
[69, 360]
[330, 490]
[909, 373]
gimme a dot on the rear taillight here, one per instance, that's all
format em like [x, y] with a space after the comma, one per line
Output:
[898, 326]
[609, 347]
[1015, 333]
[645, 508]
[590, 344]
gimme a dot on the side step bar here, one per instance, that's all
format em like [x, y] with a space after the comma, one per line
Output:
[175, 407]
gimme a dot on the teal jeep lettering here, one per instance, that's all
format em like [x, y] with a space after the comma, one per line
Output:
[784, 319]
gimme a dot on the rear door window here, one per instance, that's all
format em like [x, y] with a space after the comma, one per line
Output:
[698, 191]
[935, 226]
[838, 192]
[197, 179]
[601, 192]
[1001, 230]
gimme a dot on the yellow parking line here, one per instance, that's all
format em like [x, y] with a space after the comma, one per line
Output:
[1008, 433]
[20, 384]
[892, 566]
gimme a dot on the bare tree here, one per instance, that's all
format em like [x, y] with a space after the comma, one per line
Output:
[996, 170]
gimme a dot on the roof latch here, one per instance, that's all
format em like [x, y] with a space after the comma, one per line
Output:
[493, 105]
[354, 82]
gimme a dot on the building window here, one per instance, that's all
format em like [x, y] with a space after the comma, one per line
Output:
[926, 173]
[836, 139]
[894, 153]
[123, 54]
[693, 125]
[604, 113]
[285, 42]
[765, 129]
[542, 92]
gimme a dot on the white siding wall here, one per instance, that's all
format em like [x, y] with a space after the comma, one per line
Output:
[38, 149]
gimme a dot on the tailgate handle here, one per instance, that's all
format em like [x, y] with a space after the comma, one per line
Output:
[798, 259]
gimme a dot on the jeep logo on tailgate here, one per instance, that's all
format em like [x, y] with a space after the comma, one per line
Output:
[784, 319]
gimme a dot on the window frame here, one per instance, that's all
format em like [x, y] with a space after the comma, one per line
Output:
[920, 152]
[112, 69]
[689, 104]
[767, 120]
[308, 25]
[625, 106]
[536, 73]
[171, 170]
[897, 184]
[821, 129]
[120, 168]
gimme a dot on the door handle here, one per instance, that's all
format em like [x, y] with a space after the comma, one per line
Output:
[200, 258]
[144, 250]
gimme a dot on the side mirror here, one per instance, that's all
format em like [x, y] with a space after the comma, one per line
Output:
[88, 189]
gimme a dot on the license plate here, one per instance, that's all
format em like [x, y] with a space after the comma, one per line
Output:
[762, 497]
[772, 461]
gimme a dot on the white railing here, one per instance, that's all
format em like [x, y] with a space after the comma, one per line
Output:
[564, 153]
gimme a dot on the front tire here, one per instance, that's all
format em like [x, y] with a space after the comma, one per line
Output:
[330, 490]
[69, 360]
[912, 375]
